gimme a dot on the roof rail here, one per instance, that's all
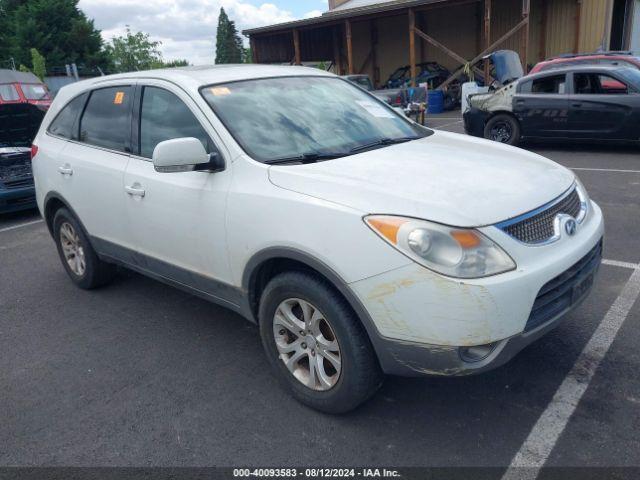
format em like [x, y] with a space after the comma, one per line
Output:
[590, 54]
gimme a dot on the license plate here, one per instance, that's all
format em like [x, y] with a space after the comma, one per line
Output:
[580, 289]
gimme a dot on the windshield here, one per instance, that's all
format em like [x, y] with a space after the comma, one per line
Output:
[33, 91]
[279, 118]
[632, 76]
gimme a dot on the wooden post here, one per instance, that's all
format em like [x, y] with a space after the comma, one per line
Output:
[487, 38]
[254, 50]
[347, 26]
[337, 58]
[296, 46]
[412, 47]
[542, 47]
[525, 35]
[576, 45]
[374, 58]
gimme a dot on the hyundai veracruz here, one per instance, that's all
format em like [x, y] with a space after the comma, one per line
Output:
[361, 243]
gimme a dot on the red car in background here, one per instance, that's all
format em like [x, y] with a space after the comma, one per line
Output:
[616, 59]
[21, 87]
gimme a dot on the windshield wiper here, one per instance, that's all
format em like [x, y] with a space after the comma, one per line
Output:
[311, 157]
[382, 142]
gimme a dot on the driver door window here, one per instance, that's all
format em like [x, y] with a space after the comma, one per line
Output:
[163, 116]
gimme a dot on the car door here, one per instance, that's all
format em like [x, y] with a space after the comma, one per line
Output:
[541, 105]
[92, 164]
[178, 219]
[600, 107]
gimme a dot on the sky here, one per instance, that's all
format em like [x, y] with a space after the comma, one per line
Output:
[187, 28]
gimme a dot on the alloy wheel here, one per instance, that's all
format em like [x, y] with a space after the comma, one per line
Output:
[307, 344]
[72, 249]
[501, 132]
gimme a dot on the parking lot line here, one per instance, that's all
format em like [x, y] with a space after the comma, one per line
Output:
[15, 227]
[536, 449]
[617, 263]
[605, 170]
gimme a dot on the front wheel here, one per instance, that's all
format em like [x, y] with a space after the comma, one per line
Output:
[316, 344]
[503, 128]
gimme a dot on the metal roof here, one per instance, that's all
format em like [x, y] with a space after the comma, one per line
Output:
[354, 8]
[14, 76]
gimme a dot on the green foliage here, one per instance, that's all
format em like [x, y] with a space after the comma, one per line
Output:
[24, 69]
[136, 51]
[229, 48]
[247, 56]
[57, 29]
[39, 68]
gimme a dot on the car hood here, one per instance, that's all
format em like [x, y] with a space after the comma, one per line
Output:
[446, 178]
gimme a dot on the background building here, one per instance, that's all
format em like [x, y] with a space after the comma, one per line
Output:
[376, 37]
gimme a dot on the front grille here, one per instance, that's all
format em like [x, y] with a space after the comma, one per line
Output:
[18, 183]
[568, 288]
[539, 227]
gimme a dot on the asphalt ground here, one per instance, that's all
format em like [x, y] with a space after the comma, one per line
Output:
[141, 374]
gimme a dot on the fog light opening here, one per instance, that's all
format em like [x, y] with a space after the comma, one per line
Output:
[477, 353]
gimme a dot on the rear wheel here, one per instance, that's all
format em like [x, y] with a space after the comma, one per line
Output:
[76, 253]
[316, 344]
[503, 128]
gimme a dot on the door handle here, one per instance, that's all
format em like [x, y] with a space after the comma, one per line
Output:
[65, 170]
[135, 190]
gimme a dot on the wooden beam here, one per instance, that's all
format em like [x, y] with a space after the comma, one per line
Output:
[542, 47]
[478, 57]
[347, 27]
[526, 8]
[576, 45]
[487, 38]
[366, 61]
[296, 47]
[412, 47]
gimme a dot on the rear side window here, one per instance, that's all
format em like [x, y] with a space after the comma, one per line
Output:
[106, 121]
[33, 91]
[64, 125]
[8, 93]
[164, 117]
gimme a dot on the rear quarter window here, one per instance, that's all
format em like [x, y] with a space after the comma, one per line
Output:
[9, 93]
[65, 124]
[106, 121]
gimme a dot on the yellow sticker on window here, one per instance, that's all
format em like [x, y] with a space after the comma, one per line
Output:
[119, 98]
[219, 91]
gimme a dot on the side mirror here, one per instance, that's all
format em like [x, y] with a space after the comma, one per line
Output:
[179, 155]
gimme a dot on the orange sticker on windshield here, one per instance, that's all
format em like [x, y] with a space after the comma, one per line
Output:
[219, 91]
[119, 98]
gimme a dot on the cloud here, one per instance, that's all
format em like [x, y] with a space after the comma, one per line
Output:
[186, 28]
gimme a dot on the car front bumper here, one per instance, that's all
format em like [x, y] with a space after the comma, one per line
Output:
[425, 322]
[16, 199]
[474, 121]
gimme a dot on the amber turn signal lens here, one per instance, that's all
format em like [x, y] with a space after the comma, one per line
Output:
[467, 239]
[387, 227]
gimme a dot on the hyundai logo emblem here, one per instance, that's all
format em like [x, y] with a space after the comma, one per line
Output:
[570, 227]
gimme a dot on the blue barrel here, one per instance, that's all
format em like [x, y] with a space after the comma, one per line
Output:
[435, 101]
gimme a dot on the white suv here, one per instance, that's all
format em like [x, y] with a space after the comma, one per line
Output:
[360, 242]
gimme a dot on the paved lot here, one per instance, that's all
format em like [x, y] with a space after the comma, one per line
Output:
[142, 374]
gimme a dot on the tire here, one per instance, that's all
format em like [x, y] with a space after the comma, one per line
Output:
[503, 128]
[359, 375]
[75, 249]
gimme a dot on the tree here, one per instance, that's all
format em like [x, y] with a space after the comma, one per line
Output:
[38, 63]
[56, 28]
[247, 55]
[136, 51]
[229, 48]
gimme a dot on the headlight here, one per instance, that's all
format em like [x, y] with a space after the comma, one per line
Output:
[455, 252]
[584, 201]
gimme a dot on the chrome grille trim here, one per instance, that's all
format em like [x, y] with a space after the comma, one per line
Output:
[543, 225]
